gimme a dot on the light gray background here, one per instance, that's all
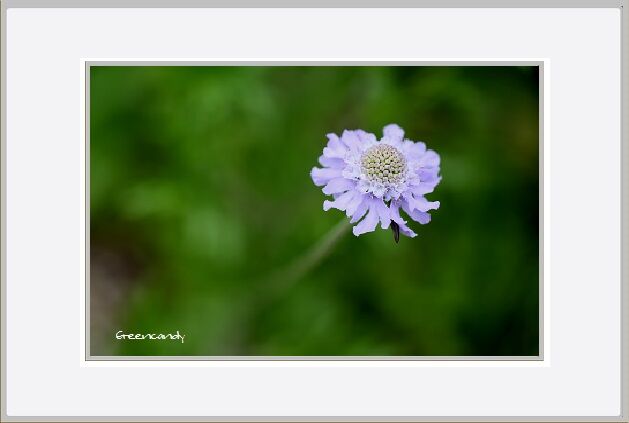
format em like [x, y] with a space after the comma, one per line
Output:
[601, 3]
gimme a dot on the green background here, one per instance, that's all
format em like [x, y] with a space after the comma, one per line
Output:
[204, 218]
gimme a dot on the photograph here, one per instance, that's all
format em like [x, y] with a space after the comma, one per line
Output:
[311, 210]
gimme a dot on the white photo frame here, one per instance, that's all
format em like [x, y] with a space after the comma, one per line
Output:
[88, 64]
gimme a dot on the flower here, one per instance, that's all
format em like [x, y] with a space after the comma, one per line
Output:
[372, 180]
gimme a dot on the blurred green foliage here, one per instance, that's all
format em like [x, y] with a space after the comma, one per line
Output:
[200, 189]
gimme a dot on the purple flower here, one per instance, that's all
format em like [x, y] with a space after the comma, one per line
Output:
[372, 180]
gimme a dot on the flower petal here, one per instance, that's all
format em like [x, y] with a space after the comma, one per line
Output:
[420, 203]
[338, 185]
[393, 133]
[383, 212]
[414, 150]
[365, 137]
[360, 211]
[395, 216]
[353, 205]
[335, 148]
[429, 175]
[416, 215]
[332, 162]
[424, 188]
[340, 202]
[405, 230]
[351, 139]
[430, 159]
[368, 224]
[322, 176]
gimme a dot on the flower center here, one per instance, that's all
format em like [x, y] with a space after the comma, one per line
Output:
[383, 164]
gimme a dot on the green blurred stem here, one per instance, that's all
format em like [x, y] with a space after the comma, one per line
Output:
[278, 282]
[286, 277]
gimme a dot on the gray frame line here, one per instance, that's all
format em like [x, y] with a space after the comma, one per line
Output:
[316, 3]
[3, 211]
[175, 63]
[624, 100]
[624, 213]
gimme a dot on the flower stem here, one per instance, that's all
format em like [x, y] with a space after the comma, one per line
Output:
[287, 276]
[271, 287]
